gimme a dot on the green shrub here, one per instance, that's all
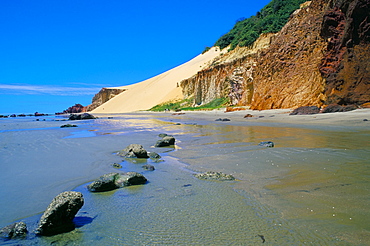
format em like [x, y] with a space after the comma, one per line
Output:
[185, 105]
[270, 19]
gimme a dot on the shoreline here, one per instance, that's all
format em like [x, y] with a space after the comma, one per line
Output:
[359, 118]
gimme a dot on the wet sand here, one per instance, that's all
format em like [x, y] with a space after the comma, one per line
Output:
[311, 188]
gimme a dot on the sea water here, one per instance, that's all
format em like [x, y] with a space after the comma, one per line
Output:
[311, 188]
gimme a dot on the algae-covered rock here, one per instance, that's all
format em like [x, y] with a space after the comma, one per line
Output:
[134, 150]
[165, 141]
[15, 230]
[214, 176]
[60, 213]
[112, 181]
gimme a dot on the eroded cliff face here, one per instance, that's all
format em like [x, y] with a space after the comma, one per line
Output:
[104, 95]
[321, 56]
[346, 64]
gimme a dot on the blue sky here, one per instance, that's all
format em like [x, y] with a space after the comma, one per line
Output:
[55, 53]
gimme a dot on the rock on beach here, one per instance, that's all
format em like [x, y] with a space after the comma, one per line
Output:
[165, 141]
[112, 181]
[134, 150]
[59, 215]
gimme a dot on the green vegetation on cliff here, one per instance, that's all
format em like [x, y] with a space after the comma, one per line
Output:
[269, 20]
[186, 105]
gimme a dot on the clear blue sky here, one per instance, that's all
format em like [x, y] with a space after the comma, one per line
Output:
[55, 53]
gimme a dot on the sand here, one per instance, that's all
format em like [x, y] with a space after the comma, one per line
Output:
[159, 89]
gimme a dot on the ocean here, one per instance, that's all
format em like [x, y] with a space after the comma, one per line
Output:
[311, 188]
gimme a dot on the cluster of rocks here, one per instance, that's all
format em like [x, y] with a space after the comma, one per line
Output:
[112, 181]
[332, 108]
[23, 115]
[84, 116]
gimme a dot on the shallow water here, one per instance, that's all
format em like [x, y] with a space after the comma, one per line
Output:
[311, 188]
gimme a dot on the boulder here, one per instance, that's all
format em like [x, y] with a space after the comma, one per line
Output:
[154, 155]
[130, 178]
[333, 108]
[224, 119]
[306, 110]
[59, 215]
[214, 176]
[112, 181]
[268, 144]
[84, 116]
[15, 230]
[105, 182]
[134, 150]
[165, 141]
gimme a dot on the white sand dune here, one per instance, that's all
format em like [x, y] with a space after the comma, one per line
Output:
[161, 88]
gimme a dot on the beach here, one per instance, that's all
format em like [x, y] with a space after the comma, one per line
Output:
[310, 188]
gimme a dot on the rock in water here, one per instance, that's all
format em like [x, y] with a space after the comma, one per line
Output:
[134, 150]
[112, 181]
[214, 176]
[84, 116]
[60, 213]
[165, 141]
[105, 182]
[268, 144]
[15, 230]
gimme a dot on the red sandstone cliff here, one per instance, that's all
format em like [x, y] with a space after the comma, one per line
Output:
[321, 56]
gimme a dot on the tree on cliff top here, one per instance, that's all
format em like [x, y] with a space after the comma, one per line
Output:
[269, 20]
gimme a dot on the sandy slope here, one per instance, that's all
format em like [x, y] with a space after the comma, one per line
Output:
[156, 90]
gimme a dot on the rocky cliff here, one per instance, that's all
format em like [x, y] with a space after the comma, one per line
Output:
[321, 56]
[104, 95]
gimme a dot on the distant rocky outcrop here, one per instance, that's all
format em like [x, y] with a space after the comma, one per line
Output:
[77, 108]
[320, 57]
[104, 95]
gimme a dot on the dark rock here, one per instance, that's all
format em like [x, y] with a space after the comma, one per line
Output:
[306, 110]
[148, 167]
[214, 176]
[154, 155]
[15, 230]
[117, 165]
[105, 182]
[332, 108]
[84, 116]
[365, 120]
[130, 178]
[39, 114]
[67, 125]
[166, 141]
[134, 150]
[268, 144]
[224, 119]
[60, 213]
[112, 181]
[248, 116]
